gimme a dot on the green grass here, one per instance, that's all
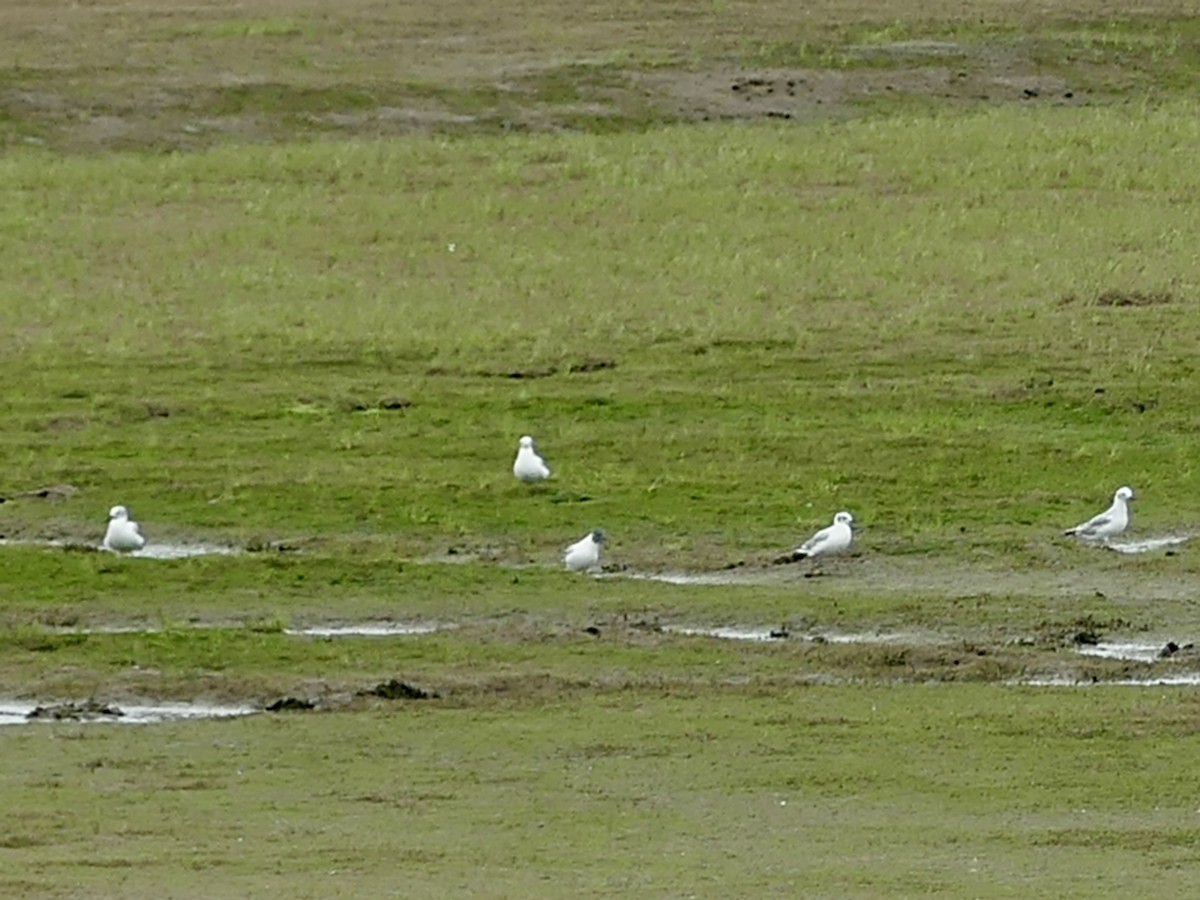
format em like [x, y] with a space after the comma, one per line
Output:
[894, 316]
[966, 321]
[864, 791]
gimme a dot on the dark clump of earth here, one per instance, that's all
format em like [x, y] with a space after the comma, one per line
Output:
[53, 492]
[290, 704]
[395, 689]
[383, 404]
[87, 709]
[592, 364]
[1171, 649]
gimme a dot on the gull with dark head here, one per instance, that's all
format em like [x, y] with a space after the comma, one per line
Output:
[122, 534]
[1109, 523]
[529, 465]
[585, 553]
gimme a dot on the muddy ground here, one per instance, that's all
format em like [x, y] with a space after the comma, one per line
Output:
[168, 76]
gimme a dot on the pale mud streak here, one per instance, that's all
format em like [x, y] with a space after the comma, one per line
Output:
[16, 712]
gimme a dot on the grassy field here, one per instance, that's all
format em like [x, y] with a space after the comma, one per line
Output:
[293, 281]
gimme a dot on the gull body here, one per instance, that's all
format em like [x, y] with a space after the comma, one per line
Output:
[122, 534]
[529, 466]
[585, 553]
[835, 538]
[1109, 523]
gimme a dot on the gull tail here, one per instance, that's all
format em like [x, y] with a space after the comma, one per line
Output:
[1071, 531]
[798, 555]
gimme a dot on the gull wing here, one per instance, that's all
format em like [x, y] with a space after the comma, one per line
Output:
[1094, 523]
[814, 542]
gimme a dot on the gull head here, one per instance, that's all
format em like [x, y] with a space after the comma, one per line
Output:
[1125, 493]
[843, 518]
[598, 536]
[526, 442]
[118, 512]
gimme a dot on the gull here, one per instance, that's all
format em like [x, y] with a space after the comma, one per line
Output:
[529, 466]
[585, 553]
[1109, 523]
[123, 534]
[836, 538]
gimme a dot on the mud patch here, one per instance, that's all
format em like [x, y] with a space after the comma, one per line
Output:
[395, 689]
[807, 93]
[16, 712]
[53, 492]
[1134, 298]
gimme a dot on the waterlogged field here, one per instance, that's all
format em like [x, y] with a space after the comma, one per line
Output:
[303, 355]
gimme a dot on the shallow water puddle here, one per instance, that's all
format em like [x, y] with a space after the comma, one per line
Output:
[1131, 651]
[150, 551]
[730, 634]
[1186, 679]
[182, 551]
[359, 629]
[684, 578]
[737, 633]
[19, 712]
[370, 629]
[1147, 544]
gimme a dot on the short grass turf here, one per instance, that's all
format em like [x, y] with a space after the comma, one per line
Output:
[966, 327]
[813, 791]
[719, 336]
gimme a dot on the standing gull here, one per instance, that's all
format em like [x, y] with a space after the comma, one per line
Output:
[585, 553]
[529, 466]
[836, 538]
[123, 533]
[1109, 523]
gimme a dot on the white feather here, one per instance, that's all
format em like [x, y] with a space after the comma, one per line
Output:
[835, 538]
[529, 466]
[123, 534]
[584, 554]
[1109, 523]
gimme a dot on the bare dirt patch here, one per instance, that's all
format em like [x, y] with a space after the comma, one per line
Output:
[811, 93]
[167, 75]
